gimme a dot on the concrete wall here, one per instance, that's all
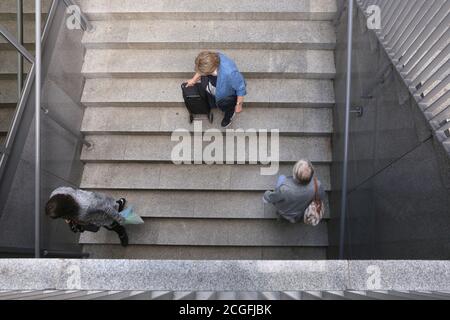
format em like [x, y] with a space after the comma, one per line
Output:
[219, 275]
[62, 88]
[399, 176]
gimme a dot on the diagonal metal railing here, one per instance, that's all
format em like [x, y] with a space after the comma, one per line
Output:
[416, 36]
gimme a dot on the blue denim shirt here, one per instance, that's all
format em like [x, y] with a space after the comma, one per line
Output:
[230, 81]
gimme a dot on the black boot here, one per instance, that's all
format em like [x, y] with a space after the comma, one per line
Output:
[121, 232]
[228, 106]
[122, 202]
[228, 119]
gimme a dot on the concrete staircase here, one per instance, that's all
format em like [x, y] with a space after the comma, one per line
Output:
[138, 55]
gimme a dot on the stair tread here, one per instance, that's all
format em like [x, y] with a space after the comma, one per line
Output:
[217, 233]
[131, 148]
[196, 34]
[131, 120]
[152, 176]
[149, 252]
[261, 92]
[288, 9]
[8, 67]
[199, 204]
[10, 6]
[133, 63]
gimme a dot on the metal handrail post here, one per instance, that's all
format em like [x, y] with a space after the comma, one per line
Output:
[20, 40]
[37, 205]
[346, 129]
[13, 41]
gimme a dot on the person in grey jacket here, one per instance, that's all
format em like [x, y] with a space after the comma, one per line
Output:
[87, 211]
[293, 195]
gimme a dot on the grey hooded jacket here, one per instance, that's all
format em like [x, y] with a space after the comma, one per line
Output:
[291, 199]
[95, 208]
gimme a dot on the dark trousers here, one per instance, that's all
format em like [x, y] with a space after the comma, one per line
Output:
[116, 227]
[227, 105]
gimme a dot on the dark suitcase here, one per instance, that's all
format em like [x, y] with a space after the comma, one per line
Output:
[196, 102]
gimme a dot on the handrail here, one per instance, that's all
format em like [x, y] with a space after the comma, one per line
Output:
[12, 132]
[50, 16]
[23, 98]
[13, 41]
[348, 97]
[80, 137]
[416, 39]
[37, 134]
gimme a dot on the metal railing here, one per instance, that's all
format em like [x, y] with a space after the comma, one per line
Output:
[24, 88]
[34, 79]
[348, 100]
[20, 40]
[145, 295]
[416, 36]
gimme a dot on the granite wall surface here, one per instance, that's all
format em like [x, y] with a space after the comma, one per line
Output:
[399, 175]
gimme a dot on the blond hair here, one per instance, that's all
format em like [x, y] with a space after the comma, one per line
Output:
[207, 62]
[303, 172]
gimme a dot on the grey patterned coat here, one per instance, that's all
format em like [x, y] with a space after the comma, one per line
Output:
[292, 199]
[95, 208]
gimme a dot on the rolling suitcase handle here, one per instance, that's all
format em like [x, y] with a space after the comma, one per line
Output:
[187, 96]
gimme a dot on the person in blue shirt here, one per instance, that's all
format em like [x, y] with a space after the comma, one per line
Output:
[225, 84]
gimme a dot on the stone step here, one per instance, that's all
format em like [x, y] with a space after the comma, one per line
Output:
[149, 252]
[8, 64]
[6, 115]
[167, 92]
[212, 9]
[8, 93]
[11, 26]
[135, 63]
[8, 9]
[199, 204]
[157, 120]
[143, 148]
[151, 176]
[213, 232]
[191, 34]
